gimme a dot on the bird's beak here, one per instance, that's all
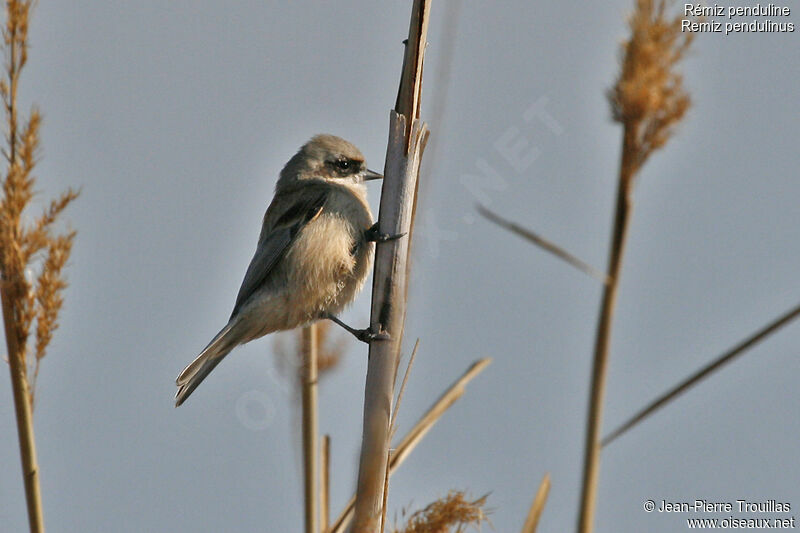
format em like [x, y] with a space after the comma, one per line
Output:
[372, 175]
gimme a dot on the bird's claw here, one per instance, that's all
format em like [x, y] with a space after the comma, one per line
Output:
[368, 335]
[373, 235]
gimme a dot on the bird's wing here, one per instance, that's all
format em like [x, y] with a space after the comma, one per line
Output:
[276, 241]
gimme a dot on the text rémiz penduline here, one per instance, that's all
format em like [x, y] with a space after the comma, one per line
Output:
[758, 10]
[702, 24]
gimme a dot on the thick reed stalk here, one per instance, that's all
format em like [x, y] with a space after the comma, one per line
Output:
[407, 137]
[310, 352]
[388, 316]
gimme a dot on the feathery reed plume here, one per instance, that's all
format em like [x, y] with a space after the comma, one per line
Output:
[648, 99]
[25, 248]
[446, 513]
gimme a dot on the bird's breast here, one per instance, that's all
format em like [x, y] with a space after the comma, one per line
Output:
[330, 257]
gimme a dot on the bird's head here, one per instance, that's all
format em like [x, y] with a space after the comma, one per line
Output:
[327, 158]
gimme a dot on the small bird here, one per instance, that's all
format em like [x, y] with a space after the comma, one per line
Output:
[312, 257]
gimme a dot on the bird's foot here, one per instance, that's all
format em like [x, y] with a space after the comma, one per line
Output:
[373, 235]
[366, 335]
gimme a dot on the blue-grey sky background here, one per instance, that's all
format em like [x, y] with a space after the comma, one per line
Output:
[175, 118]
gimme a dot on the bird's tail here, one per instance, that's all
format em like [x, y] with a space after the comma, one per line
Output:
[197, 370]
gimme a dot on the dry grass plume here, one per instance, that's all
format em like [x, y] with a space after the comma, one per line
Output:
[648, 100]
[34, 247]
[32, 254]
[453, 513]
[648, 97]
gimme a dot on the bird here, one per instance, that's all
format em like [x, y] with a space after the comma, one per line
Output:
[312, 258]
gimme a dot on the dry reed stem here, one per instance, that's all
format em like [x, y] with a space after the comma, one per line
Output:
[393, 428]
[310, 429]
[432, 415]
[392, 425]
[24, 416]
[451, 511]
[407, 444]
[407, 139]
[385, 493]
[544, 244]
[25, 301]
[330, 350]
[305, 377]
[600, 364]
[325, 484]
[290, 362]
[537, 507]
[388, 317]
[648, 100]
[703, 373]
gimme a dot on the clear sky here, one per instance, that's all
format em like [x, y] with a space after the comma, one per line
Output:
[175, 118]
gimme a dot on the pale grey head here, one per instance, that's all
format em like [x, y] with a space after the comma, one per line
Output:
[326, 158]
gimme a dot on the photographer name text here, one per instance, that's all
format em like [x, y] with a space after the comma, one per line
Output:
[738, 506]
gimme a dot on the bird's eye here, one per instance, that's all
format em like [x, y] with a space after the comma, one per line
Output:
[343, 164]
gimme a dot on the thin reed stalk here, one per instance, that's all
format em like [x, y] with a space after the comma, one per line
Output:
[537, 507]
[24, 414]
[407, 138]
[602, 344]
[544, 244]
[325, 484]
[648, 100]
[702, 373]
[310, 351]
